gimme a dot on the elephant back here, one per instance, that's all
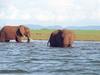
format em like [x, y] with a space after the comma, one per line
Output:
[69, 37]
[10, 32]
[56, 39]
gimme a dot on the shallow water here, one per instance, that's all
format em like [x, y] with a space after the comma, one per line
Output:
[36, 58]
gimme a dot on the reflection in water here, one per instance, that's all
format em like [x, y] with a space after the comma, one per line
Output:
[38, 59]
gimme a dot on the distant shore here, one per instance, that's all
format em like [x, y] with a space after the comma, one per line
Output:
[81, 35]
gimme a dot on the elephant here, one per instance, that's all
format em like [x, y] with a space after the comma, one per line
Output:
[61, 38]
[8, 33]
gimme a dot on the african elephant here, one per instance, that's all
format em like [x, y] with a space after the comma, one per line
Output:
[8, 33]
[61, 38]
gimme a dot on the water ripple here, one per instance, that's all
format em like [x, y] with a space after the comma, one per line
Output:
[38, 59]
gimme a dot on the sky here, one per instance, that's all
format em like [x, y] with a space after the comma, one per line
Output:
[50, 12]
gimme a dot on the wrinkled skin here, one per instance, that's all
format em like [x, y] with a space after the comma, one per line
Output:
[61, 38]
[8, 33]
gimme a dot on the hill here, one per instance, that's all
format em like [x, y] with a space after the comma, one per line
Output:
[35, 27]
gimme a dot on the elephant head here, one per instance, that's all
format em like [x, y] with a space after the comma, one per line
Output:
[61, 38]
[23, 31]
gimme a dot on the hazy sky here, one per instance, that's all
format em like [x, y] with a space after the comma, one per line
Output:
[50, 12]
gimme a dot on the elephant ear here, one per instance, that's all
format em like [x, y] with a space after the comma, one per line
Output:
[22, 30]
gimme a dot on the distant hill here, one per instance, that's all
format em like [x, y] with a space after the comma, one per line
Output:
[31, 26]
[54, 27]
[35, 27]
[84, 27]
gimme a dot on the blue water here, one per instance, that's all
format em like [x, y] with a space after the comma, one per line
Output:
[36, 58]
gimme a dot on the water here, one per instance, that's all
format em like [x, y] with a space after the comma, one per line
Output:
[36, 58]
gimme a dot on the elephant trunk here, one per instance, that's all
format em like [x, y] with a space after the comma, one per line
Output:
[28, 39]
[48, 43]
[28, 36]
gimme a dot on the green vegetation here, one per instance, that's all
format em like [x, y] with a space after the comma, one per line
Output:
[86, 35]
[91, 35]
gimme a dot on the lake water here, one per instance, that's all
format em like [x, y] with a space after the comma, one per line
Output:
[36, 58]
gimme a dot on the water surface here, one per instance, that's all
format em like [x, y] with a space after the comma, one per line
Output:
[36, 58]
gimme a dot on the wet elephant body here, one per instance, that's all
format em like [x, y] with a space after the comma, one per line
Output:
[54, 39]
[61, 38]
[8, 33]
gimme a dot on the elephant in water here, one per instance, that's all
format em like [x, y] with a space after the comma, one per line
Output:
[61, 38]
[8, 33]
